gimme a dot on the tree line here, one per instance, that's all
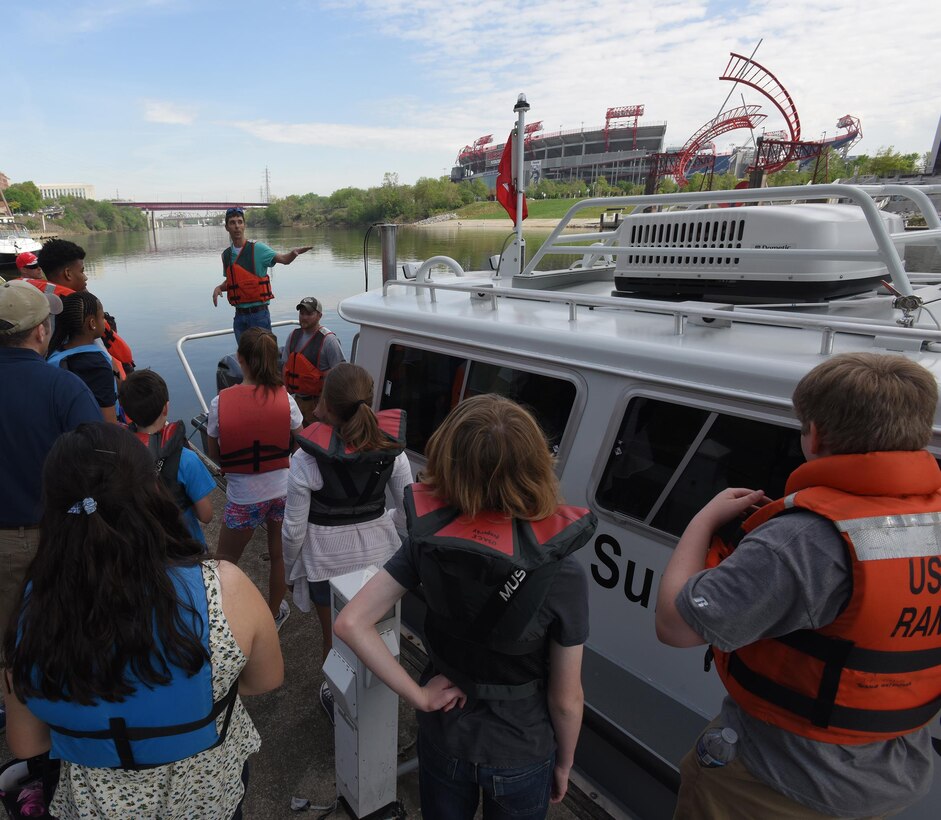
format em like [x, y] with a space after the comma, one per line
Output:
[395, 202]
[78, 215]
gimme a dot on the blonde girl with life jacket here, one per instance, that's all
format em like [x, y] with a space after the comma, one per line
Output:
[337, 518]
[500, 703]
[250, 432]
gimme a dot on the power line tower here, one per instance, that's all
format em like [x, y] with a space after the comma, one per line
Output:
[267, 185]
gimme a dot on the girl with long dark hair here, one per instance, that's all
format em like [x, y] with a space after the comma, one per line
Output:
[250, 427]
[500, 705]
[131, 650]
[76, 345]
[336, 520]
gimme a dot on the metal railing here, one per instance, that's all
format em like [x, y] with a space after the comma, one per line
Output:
[886, 251]
[208, 335]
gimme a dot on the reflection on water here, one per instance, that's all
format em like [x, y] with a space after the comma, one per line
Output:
[160, 288]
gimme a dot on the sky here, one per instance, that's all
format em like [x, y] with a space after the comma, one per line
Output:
[195, 99]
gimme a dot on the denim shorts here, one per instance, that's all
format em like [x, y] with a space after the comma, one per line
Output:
[249, 516]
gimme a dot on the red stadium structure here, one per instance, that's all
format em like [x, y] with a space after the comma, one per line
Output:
[529, 131]
[475, 151]
[775, 150]
[624, 112]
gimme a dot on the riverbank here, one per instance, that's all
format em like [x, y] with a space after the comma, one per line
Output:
[497, 224]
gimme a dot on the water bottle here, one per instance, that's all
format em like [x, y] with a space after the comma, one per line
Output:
[716, 747]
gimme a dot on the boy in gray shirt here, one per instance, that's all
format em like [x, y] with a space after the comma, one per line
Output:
[821, 618]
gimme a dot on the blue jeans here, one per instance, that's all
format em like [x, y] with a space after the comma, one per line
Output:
[450, 788]
[243, 321]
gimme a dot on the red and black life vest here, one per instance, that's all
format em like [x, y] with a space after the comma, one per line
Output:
[122, 358]
[254, 429]
[303, 374]
[243, 285]
[354, 482]
[875, 672]
[166, 446]
[485, 580]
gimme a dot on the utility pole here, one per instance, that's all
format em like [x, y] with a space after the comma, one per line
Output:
[267, 185]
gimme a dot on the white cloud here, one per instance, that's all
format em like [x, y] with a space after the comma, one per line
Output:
[575, 58]
[168, 112]
[338, 135]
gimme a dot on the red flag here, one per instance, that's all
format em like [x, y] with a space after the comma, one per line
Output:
[506, 190]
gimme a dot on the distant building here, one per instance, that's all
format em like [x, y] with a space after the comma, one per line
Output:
[4, 181]
[55, 190]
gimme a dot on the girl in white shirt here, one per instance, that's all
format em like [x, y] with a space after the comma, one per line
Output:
[336, 519]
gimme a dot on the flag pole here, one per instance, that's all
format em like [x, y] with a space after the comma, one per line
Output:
[520, 108]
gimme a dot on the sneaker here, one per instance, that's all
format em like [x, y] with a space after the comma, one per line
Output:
[326, 701]
[284, 612]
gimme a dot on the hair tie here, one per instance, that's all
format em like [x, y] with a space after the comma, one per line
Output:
[354, 408]
[88, 505]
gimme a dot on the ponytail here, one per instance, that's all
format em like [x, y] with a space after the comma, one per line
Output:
[259, 351]
[347, 394]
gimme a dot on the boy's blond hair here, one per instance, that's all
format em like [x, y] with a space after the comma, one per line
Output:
[490, 455]
[868, 402]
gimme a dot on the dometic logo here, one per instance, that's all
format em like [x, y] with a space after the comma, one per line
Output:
[512, 584]
[774, 247]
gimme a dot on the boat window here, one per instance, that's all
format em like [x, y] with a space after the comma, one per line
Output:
[549, 399]
[669, 460]
[427, 384]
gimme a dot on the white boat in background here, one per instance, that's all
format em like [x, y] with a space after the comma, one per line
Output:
[14, 240]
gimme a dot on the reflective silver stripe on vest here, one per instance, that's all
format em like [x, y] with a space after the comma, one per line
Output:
[894, 536]
[789, 501]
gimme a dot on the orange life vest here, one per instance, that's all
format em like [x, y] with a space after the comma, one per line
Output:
[875, 672]
[121, 357]
[242, 284]
[254, 429]
[302, 371]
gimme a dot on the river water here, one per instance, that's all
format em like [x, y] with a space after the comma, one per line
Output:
[159, 288]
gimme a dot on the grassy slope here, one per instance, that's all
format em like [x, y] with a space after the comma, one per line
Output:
[538, 209]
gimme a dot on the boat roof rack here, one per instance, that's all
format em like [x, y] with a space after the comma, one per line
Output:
[897, 333]
[604, 242]
[718, 315]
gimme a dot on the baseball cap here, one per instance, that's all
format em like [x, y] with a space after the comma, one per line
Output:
[27, 260]
[310, 304]
[23, 306]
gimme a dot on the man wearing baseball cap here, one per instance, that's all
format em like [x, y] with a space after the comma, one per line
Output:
[27, 266]
[37, 404]
[309, 353]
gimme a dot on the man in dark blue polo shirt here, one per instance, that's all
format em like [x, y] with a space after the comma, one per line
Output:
[38, 402]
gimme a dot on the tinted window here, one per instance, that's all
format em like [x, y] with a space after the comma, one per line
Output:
[669, 460]
[549, 400]
[424, 384]
[427, 385]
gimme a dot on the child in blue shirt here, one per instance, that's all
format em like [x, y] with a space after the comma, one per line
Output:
[146, 401]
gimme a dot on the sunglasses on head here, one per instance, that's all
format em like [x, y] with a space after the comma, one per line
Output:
[234, 212]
